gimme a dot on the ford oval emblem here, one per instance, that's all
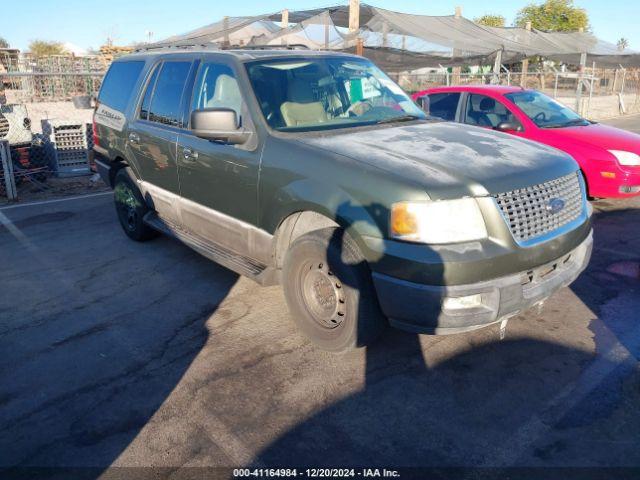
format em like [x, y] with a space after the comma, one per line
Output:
[555, 205]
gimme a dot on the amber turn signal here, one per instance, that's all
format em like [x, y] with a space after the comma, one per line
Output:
[403, 220]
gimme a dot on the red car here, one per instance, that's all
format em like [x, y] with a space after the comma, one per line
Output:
[609, 157]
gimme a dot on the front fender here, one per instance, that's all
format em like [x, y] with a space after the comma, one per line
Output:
[330, 201]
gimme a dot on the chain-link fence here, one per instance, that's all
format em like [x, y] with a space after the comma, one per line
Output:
[44, 139]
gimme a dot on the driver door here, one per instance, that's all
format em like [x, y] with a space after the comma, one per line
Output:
[487, 112]
[219, 181]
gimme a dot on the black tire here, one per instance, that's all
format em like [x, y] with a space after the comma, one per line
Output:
[131, 207]
[328, 287]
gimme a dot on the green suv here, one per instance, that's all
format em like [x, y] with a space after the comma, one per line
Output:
[314, 170]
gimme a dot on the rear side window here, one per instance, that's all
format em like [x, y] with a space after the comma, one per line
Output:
[117, 87]
[444, 105]
[146, 102]
[167, 94]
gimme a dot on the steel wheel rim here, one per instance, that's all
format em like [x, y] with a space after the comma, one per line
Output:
[323, 295]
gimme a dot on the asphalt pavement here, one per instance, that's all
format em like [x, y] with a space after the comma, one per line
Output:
[116, 353]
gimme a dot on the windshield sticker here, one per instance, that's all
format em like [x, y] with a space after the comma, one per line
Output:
[110, 118]
[362, 88]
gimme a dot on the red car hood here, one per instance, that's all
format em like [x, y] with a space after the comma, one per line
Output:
[599, 135]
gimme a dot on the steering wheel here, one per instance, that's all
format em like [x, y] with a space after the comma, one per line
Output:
[540, 117]
[359, 108]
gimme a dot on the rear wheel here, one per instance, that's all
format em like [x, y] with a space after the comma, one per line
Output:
[131, 207]
[328, 288]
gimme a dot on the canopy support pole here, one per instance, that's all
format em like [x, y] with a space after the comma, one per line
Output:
[525, 62]
[326, 31]
[583, 64]
[497, 65]
[225, 26]
[354, 15]
[456, 71]
[284, 23]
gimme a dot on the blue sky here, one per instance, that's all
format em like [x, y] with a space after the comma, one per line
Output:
[87, 24]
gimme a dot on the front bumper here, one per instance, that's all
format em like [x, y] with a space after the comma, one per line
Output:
[419, 308]
[625, 183]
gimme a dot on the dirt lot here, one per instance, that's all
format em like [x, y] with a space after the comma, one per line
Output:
[116, 353]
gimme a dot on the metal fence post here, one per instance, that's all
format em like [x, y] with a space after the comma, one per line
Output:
[583, 64]
[7, 168]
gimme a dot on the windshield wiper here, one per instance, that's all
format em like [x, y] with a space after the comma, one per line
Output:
[577, 121]
[400, 118]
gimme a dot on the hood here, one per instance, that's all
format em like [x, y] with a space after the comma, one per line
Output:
[450, 160]
[598, 135]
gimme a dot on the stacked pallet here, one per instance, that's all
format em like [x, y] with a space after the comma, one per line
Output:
[111, 52]
[67, 146]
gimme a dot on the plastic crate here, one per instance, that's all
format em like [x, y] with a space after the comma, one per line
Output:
[67, 146]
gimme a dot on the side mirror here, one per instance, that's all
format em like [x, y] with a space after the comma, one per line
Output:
[219, 124]
[509, 127]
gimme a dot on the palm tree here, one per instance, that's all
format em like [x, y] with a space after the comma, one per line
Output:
[623, 44]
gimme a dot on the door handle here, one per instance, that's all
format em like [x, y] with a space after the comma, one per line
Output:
[134, 137]
[189, 154]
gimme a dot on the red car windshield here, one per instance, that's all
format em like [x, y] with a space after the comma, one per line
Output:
[544, 111]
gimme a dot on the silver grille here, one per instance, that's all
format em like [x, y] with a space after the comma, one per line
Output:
[528, 211]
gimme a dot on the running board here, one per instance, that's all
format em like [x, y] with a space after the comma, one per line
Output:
[240, 264]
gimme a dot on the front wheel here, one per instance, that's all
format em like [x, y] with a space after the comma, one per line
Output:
[328, 287]
[131, 207]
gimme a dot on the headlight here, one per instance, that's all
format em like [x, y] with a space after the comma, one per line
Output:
[628, 159]
[446, 221]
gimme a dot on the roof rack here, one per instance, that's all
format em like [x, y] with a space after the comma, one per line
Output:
[184, 46]
[293, 46]
[215, 46]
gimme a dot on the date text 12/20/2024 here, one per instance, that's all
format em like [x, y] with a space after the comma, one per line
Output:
[315, 473]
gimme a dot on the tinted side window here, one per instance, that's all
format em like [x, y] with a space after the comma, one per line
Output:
[487, 112]
[165, 102]
[118, 84]
[216, 87]
[146, 101]
[443, 105]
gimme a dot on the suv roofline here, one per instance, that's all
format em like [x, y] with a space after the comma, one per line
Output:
[241, 53]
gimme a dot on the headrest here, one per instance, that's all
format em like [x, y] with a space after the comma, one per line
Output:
[487, 104]
[300, 91]
[226, 87]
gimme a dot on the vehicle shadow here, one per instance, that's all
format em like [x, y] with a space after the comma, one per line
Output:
[433, 402]
[460, 410]
[613, 274]
[93, 340]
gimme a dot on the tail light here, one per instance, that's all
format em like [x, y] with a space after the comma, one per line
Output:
[96, 139]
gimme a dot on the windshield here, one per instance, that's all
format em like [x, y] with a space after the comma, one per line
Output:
[545, 111]
[320, 93]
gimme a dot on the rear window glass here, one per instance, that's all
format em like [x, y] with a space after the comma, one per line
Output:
[117, 87]
[443, 105]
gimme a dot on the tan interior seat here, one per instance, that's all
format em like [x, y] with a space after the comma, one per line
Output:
[226, 94]
[301, 107]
